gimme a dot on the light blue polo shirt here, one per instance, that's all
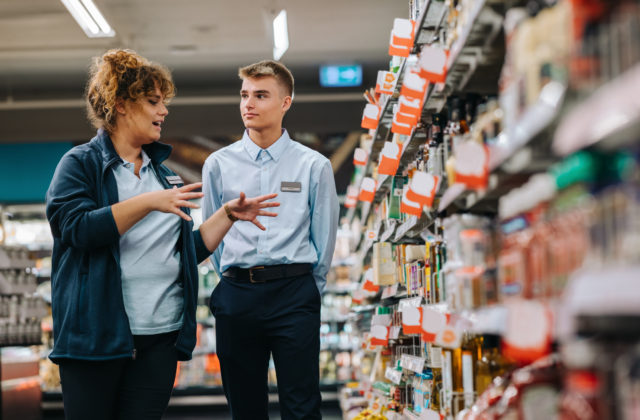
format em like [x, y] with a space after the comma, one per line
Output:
[149, 258]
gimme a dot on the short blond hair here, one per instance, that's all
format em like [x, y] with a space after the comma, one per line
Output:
[268, 68]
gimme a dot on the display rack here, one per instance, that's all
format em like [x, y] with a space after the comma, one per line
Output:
[534, 148]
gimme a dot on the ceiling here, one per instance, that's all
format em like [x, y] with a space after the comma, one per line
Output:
[44, 57]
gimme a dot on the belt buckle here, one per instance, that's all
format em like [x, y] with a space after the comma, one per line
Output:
[251, 280]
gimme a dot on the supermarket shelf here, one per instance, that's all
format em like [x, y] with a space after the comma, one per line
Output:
[363, 308]
[469, 52]
[412, 227]
[430, 22]
[610, 115]
[388, 232]
[534, 121]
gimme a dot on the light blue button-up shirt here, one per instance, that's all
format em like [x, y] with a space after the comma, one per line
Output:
[304, 230]
[149, 258]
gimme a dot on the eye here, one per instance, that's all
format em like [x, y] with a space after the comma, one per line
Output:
[152, 102]
[261, 96]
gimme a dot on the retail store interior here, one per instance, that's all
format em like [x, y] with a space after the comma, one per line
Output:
[486, 159]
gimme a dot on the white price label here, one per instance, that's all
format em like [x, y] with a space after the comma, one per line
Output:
[383, 319]
[414, 302]
[394, 332]
[412, 363]
[390, 291]
[393, 375]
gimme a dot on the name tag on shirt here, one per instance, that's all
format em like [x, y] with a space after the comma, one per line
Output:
[290, 187]
[174, 179]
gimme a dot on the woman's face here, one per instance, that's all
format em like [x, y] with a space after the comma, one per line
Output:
[142, 119]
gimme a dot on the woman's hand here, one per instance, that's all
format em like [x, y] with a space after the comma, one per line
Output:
[249, 208]
[170, 201]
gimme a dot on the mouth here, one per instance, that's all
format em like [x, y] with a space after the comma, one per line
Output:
[249, 115]
[157, 124]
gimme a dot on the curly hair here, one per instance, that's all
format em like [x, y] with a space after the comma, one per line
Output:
[122, 74]
[269, 68]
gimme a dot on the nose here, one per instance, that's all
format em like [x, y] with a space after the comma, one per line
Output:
[164, 110]
[248, 103]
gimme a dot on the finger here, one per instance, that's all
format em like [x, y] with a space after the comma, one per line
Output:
[191, 187]
[241, 198]
[266, 197]
[190, 196]
[267, 213]
[263, 205]
[189, 204]
[182, 214]
[255, 222]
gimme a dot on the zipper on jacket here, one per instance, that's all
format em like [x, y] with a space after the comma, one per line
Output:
[133, 355]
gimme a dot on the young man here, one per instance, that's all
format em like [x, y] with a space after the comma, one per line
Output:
[268, 301]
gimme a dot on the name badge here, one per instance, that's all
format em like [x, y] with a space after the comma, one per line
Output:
[174, 179]
[290, 187]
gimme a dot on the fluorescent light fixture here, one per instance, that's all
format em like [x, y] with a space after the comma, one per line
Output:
[89, 18]
[280, 35]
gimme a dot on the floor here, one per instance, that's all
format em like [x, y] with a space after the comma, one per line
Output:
[329, 412]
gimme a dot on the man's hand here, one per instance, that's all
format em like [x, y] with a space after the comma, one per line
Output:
[249, 208]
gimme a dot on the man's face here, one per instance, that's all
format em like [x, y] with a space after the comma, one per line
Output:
[263, 103]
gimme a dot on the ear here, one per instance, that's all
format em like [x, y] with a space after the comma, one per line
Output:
[120, 108]
[286, 104]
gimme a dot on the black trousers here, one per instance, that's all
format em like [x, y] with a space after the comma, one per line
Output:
[282, 318]
[122, 389]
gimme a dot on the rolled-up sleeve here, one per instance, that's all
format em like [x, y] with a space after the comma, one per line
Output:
[324, 220]
[72, 210]
[212, 200]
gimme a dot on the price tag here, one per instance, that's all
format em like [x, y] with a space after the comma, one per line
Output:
[412, 320]
[390, 291]
[412, 363]
[529, 328]
[379, 335]
[393, 375]
[382, 319]
[413, 302]
[472, 165]
[394, 332]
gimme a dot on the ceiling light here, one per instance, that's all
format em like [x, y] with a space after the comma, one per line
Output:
[89, 18]
[280, 35]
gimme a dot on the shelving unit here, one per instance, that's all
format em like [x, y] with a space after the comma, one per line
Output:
[533, 148]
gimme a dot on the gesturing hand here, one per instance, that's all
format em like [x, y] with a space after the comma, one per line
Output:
[170, 201]
[249, 208]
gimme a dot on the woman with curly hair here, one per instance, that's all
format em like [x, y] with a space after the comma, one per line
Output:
[124, 264]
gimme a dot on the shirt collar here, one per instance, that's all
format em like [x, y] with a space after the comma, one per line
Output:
[145, 161]
[275, 150]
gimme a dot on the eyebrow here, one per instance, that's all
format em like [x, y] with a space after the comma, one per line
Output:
[153, 96]
[257, 92]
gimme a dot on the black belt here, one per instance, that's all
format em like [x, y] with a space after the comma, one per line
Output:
[265, 273]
